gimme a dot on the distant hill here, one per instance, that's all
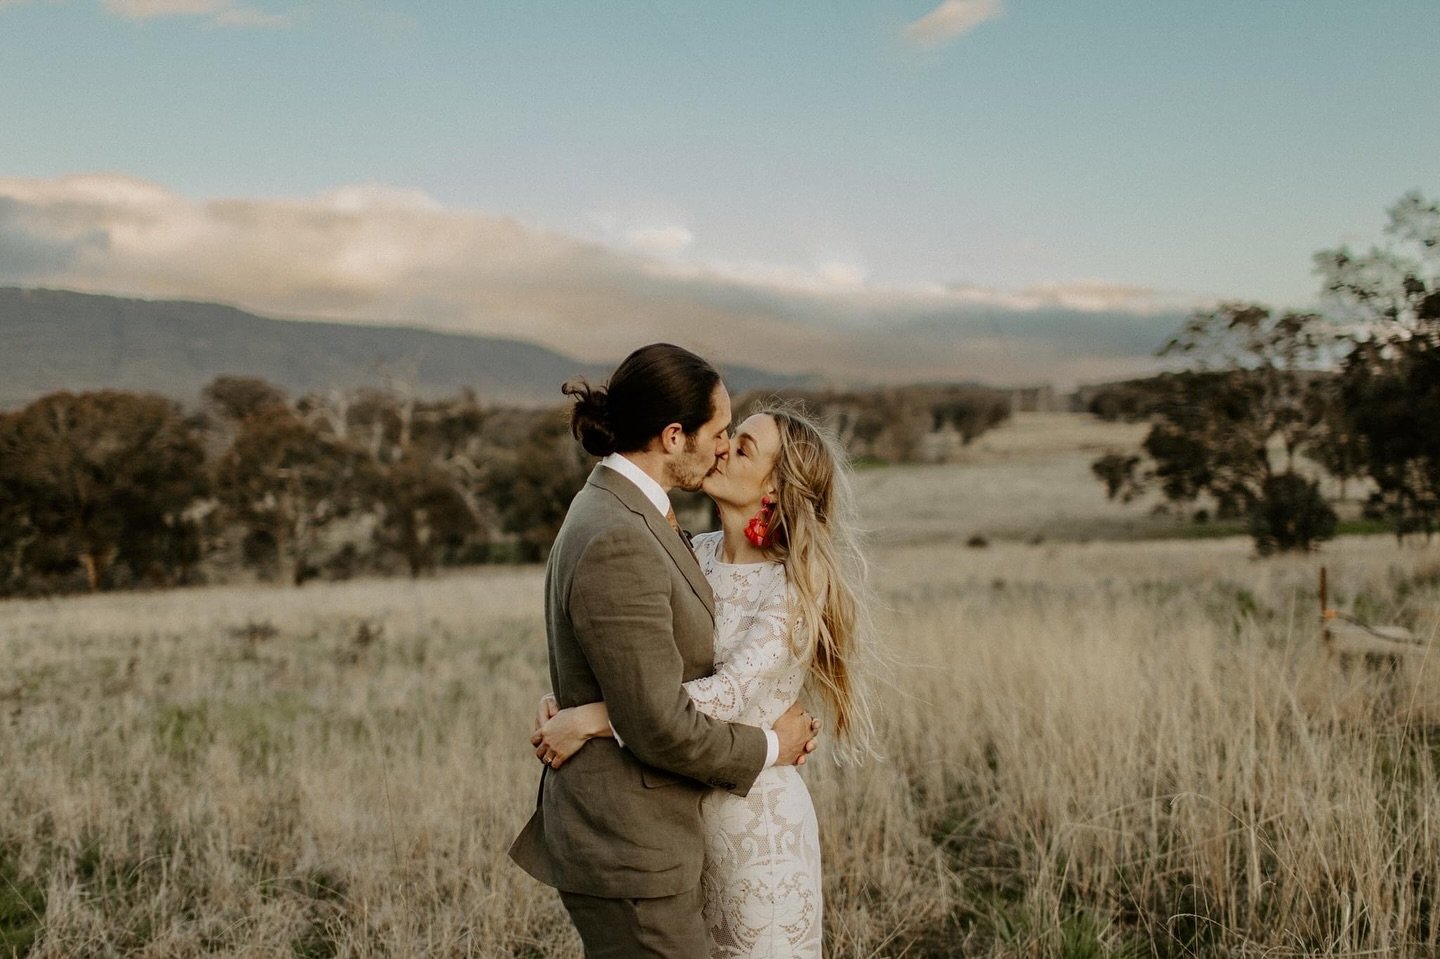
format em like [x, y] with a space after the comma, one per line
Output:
[53, 339]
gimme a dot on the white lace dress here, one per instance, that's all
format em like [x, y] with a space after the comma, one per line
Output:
[762, 856]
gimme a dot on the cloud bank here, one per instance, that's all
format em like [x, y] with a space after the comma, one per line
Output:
[951, 20]
[217, 13]
[374, 254]
[221, 13]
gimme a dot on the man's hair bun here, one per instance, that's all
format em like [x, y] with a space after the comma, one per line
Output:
[590, 417]
[654, 387]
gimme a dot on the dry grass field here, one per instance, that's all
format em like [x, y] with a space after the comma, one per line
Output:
[1030, 478]
[1092, 749]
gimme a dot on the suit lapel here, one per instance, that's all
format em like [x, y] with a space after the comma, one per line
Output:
[629, 494]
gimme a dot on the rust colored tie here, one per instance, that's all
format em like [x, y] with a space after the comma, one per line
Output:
[675, 525]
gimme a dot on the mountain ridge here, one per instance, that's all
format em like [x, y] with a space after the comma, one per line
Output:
[67, 340]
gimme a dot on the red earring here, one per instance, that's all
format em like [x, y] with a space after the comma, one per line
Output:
[757, 531]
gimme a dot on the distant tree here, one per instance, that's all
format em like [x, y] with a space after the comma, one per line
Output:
[1390, 379]
[17, 530]
[1395, 406]
[531, 486]
[96, 478]
[424, 514]
[865, 427]
[452, 430]
[1337, 446]
[378, 421]
[1250, 387]
[424, 459]
[1129, 401]
[239, 397]
[1119, 474]
[1269, 363]
[890, 424]
[284, 482]
[1290, 514]
[969, 412]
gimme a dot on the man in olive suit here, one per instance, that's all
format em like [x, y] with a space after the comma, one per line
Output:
[629, 618]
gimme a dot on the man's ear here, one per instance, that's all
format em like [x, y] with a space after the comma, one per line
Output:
[672, 438]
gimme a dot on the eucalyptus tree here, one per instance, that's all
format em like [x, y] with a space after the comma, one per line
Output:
[1388, 298]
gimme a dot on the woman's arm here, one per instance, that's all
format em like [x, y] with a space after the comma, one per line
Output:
[752, 667]
[562, 735]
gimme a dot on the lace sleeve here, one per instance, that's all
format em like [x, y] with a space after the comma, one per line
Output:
[753, 666]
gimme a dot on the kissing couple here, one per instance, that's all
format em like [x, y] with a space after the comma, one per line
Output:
[671, 816]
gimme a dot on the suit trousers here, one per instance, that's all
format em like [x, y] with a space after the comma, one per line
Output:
[668, 927]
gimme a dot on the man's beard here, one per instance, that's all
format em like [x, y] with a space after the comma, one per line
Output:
[689, 474]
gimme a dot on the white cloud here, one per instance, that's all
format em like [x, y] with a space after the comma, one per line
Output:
[1083, 295]
[223, 13]
[650, 229]
[818, 278]
[950, 20]
[373, 253]
[659, 240]
[372, 197]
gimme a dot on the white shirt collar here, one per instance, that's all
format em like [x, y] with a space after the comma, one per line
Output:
[653, 491]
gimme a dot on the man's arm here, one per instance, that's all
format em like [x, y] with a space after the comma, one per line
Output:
[561, 733]
[620, 608]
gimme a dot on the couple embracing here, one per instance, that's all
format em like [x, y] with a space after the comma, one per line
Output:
[671, 816]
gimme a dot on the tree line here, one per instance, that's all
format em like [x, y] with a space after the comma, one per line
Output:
[1267, 402]
[111, 489]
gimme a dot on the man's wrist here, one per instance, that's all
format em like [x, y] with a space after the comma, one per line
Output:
[772, 747]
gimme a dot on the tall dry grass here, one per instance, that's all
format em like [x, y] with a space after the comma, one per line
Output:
[1145, 750]
[1122, 749]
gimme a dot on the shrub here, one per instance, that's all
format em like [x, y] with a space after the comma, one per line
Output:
[1291, 515]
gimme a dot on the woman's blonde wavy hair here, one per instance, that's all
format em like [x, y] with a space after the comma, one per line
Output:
[816, 537]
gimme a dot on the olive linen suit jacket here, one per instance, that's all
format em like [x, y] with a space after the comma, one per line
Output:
[629, 617]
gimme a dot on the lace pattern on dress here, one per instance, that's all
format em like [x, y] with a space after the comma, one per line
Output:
[762, 863]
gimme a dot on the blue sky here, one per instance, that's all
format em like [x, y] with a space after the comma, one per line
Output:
[854, 171]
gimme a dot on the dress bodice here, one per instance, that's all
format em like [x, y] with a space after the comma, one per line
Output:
[757, 674]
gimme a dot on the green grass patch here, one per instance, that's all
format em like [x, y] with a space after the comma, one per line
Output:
[183, 729]
[1214, 529]
[1363, 527]
[22, 910]
[1079, 934]
[261, 732]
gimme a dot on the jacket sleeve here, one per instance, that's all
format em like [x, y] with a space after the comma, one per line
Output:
[620, 605]
[756, 666]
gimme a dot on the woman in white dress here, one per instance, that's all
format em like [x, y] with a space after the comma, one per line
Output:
[787, 580]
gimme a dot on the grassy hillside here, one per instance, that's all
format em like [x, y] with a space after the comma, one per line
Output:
[1028, 477]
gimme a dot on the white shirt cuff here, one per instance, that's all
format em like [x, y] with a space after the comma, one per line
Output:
[618, 741]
